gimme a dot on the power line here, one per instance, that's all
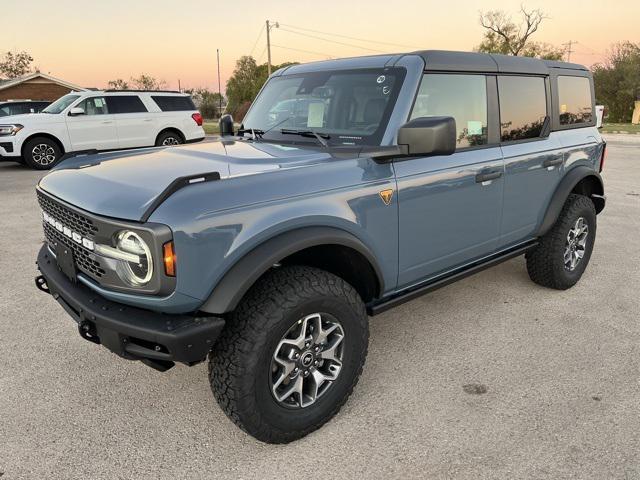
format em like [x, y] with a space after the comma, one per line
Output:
[261, 54]
[300, 50]
[257, 40]
[568, 50]
[349, 37]
[331, 41]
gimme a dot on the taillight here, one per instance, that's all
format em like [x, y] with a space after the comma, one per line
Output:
[197, 118]
[603, 157]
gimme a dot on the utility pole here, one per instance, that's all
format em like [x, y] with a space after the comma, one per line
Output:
[269, 27]
[179, 87]
[569, 44]
[219, 87]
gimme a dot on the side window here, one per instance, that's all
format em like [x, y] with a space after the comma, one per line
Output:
[168, 103]
[125, 104]
[463, 97]
[94, 106]
[574, 100]
[523, 107]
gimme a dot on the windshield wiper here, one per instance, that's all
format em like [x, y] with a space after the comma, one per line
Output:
[322, 138]
[255, 132]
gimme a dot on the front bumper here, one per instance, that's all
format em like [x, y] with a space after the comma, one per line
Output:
[8, 147]
[156, 339]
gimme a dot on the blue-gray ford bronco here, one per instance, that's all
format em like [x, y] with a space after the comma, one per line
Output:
[351, 186]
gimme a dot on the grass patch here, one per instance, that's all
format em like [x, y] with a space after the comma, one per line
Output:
[620, 128]
[211, 128]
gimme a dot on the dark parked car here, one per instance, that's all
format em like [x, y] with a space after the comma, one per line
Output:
[20, 107]
[353, 186]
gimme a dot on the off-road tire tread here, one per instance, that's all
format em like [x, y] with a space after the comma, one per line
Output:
[540, 265]
[233, 360]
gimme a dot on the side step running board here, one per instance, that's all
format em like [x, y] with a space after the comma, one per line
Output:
[376, 308]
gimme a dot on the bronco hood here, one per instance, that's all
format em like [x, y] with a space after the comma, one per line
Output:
[124, 184]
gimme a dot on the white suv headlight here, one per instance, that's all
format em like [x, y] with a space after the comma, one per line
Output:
[136, 274]
[6, 130]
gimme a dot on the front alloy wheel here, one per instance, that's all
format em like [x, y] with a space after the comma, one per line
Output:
[307, 360]
[290, 354]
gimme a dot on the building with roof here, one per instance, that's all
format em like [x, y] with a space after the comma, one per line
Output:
[36, 86]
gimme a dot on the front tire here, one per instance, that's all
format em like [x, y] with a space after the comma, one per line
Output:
[564, 251]
[291, 354]
[41, 153]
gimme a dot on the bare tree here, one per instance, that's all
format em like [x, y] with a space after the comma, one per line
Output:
[118, 84]
[503, 35]
[15, 64]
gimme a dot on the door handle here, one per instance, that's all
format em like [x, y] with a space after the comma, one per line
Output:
[107, 122]
[552, 162]
[148, 119]
[488, 176]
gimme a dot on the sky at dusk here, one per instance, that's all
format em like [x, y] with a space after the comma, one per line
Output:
[91, 42]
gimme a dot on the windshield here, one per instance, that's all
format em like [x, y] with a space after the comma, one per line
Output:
[347, 107]
[60, 104]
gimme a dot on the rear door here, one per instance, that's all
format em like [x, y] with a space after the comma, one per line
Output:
[134, 123]
[533, 158]
[450, 206]
[95, 129]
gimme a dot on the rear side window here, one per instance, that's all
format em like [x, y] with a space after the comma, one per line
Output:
[574, 100]
[125, 104]
[169, 103]
[523, 107]
[463, 97]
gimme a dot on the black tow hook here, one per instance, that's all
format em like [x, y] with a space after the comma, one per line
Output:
[41, 283]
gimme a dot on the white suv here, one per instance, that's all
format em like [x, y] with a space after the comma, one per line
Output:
[99, 120]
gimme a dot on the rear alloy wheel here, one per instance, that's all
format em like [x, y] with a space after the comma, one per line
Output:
[564, 251]
[41, 153]
[169, 139]
[291, 353]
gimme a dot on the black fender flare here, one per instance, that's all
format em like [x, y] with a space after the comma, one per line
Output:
[564, 189]
[243, 274]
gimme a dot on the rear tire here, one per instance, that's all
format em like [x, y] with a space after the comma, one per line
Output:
[41, 153]
[564, 251]
[294, 318]
[169, 139]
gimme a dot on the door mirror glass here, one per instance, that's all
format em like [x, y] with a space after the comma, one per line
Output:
[428, 136]
[75, 111]
[226, 125]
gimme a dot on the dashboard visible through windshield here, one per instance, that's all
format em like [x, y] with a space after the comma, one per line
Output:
[345, 107]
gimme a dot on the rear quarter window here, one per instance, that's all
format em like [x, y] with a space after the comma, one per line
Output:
[574, 100]
[168, 103]
[125, 104]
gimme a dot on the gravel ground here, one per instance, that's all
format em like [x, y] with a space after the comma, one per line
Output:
[560, 372]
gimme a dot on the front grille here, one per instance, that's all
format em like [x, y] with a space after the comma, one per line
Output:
[84, 259]
[80, 254]
[71, 219]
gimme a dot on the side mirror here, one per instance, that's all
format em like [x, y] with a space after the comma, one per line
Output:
[226, 125]
[75, 111]
[425, 136]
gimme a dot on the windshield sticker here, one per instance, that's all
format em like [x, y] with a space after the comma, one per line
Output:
[381, 79]
[315, 116]
[474, 127]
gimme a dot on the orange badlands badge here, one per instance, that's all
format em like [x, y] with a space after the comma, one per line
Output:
[386, 196]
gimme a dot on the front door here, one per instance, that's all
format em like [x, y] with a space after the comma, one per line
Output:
[450, 206]
[95, 128]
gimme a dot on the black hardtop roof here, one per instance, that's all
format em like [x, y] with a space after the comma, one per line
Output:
[490, 62]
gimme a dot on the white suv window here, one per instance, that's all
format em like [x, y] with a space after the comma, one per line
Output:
[94, 106]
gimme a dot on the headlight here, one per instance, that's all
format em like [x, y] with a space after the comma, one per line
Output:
[6, 130]
[136, 274]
